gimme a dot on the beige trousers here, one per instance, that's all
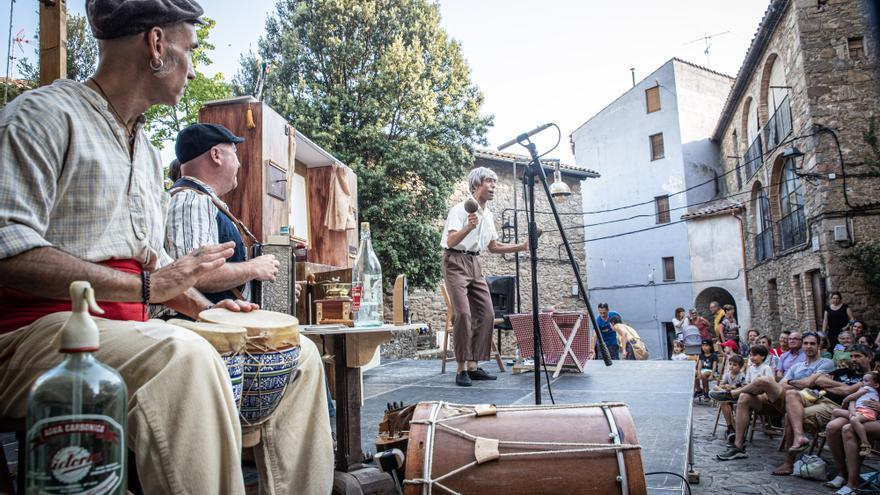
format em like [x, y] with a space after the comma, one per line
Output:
[472, 313]
[182, 422]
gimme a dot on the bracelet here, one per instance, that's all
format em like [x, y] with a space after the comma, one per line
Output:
[145, 287]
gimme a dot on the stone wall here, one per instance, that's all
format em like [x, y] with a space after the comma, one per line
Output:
[555, 275]
[828, 87]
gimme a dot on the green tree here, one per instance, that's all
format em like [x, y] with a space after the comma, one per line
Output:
[82, 53]
[164, 122]
[382, 86]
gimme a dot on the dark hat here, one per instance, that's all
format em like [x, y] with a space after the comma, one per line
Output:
[199, 138]
[116, 18]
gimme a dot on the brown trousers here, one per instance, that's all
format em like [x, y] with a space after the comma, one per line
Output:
[472, 312]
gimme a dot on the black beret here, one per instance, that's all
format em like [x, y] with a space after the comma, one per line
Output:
[199, 138]
[117, 18]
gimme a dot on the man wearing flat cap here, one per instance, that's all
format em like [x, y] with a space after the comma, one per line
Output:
[296, 453]
[81, 198]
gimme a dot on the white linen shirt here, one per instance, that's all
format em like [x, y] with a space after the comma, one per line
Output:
[477, 239]
[67, 180]
[192, 220]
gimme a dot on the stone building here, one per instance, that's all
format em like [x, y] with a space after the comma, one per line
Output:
[556, 279]
[655, 240]
[791, 136]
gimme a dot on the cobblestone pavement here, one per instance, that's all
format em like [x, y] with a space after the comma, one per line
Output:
[747, 476]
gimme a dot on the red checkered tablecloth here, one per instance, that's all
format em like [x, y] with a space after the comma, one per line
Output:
[552, 345]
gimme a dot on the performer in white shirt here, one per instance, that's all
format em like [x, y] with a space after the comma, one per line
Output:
[465, 235]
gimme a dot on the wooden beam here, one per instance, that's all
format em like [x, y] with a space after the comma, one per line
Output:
[53, 41]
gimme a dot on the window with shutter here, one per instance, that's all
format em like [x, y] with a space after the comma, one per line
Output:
[652, 99]
[669, 269]
[661, 206]
[656, 146]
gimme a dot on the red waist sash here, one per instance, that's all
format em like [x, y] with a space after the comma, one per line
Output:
[18, 309]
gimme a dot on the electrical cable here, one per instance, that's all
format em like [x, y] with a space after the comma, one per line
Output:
[683, 479]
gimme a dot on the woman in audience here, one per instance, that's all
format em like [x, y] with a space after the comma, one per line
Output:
[837, 317]
[772, 357]
[858, 328]
[679, 321]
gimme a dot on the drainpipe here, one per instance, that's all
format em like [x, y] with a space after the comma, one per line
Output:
[742, 240]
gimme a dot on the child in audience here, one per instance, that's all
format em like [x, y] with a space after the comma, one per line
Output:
[858, 412]
[708, 367]
[771, 359]
[729, 348]
[678, 351]
[732, 379]
[758, 365]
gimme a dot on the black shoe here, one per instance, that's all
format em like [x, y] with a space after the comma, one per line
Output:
[731, 437]
[480, 374]
[732, 453]
[462, 379]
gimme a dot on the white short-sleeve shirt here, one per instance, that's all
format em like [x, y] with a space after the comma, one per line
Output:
[477, 239]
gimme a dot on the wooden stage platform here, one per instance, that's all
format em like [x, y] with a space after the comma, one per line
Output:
[659, 395]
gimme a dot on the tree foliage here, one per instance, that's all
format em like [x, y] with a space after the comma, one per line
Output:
[865, 257]
[82, 53]
[383, 87]
[164, 122]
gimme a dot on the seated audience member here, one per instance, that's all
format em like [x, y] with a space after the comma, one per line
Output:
[678, 351]
[706, 369]
[793, 356]
[845, 447]
[733, 378]
[841, 350]
[783, 344]
[858, 328]
[772, 360]
[728, 348]
[857, 410]
[751, 339]
[766, 395]
[758, 368]
[816, 414]
[864, 340]
[824, 347]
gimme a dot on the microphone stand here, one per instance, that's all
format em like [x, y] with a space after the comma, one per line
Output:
[532, 171]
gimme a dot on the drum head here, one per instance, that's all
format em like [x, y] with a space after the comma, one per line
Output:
[265, 329]
[225, 338]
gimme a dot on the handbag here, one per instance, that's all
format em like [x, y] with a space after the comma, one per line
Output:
[810, 467]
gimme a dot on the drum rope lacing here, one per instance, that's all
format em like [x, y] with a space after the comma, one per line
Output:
[583, 447]
[252, 361]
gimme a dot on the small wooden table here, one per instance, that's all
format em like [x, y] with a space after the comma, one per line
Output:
[352, 349]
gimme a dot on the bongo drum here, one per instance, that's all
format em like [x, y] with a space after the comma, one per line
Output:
[229, 342]
[271, 358]
[578, 448]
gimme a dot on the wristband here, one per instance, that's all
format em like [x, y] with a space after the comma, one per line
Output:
[145, 287]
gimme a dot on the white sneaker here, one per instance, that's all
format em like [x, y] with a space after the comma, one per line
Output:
[837, 482]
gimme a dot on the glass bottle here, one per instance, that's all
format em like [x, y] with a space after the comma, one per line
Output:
[366, 278]
[76, 414]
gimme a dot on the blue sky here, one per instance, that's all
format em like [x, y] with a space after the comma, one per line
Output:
[536, 61]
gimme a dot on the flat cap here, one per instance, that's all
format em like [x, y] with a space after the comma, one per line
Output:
[117, 18]
[199, 138]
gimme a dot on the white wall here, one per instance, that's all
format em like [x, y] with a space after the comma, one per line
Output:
[615, 143]
[717, 261]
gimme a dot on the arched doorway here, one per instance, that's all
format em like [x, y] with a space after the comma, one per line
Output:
[717, 294]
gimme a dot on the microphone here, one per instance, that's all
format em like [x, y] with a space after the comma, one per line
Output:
[471, 206]
[523, 136]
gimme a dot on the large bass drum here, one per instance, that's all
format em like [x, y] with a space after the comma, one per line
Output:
[582, 448]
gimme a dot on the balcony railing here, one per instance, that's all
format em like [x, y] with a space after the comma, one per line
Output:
[793, 229]
[779, 125]
[753, 159]
[764, 245]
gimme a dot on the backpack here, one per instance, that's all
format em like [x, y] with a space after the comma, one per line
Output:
[690, 336]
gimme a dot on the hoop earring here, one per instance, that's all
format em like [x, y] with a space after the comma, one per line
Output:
[156, 64]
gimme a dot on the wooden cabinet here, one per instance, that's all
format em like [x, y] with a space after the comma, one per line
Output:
[261, 199]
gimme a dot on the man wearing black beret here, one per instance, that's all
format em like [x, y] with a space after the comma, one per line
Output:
[81, 198]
